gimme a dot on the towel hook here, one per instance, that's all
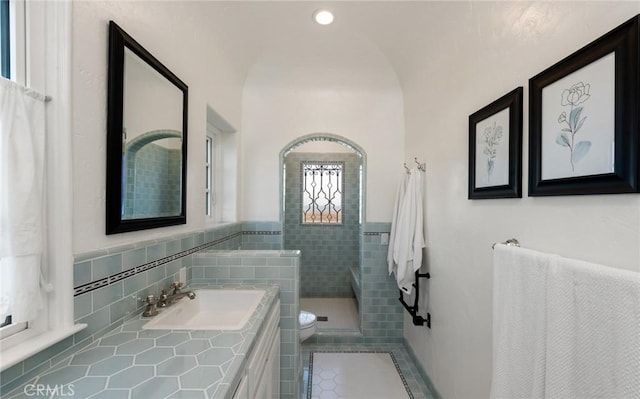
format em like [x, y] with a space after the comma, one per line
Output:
[421, 166]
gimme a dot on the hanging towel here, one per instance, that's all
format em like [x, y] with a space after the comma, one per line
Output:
[409, 239]
[519, 306]
[402, 186]
[593, 337]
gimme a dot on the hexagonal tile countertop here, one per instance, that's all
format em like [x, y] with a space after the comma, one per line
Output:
[133, 363]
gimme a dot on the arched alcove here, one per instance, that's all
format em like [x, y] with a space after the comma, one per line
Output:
[152, 174]
[334, 167]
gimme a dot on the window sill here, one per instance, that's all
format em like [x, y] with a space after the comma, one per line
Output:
[30, 347]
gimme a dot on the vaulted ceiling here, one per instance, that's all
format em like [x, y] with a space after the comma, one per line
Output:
[366, 36]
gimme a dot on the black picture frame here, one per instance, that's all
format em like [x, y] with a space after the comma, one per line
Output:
[509, 184]
[545, 179]
[115, 223]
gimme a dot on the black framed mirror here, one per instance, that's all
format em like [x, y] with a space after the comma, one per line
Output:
[146, 139]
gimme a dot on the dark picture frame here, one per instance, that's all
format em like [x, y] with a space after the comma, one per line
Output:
[117, 172]
[495, 156]
[583, 119]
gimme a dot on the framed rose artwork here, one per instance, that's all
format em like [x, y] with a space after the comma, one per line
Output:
[583, 119]
[495, 148]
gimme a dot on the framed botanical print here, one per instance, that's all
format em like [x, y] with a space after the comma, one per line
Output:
[583, 122]
[495, 148]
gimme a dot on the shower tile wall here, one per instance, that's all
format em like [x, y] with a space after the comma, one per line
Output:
[380, 311]
[327, 251]
[381, 314]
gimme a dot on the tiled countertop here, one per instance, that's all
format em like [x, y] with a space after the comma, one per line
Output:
[132, 363]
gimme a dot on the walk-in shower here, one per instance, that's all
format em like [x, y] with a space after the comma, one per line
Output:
[322, 215]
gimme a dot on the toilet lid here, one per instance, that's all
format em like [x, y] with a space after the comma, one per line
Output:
[306, 319]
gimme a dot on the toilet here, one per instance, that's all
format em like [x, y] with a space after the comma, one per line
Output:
[306, 324]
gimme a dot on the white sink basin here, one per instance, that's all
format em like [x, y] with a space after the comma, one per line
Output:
[212, 309]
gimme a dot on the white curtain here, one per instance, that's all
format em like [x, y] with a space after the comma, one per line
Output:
[22, 141]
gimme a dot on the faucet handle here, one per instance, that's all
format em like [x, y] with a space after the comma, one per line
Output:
[176, 287]
[151, 310]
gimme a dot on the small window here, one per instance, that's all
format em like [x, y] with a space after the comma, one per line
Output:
[322, 195]
[5, 40]
[7, 326]
[208, 186]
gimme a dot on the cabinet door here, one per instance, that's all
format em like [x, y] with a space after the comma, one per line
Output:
[242, 391]
[262, 388]
[274, 367]
[268, 386]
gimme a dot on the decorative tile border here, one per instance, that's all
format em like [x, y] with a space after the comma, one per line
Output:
[82, 289]
[393, 358]
[261, 233]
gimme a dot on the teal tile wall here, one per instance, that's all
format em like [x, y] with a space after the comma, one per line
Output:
[328, 251]
[263, 267]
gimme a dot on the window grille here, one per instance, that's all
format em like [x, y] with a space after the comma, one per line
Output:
[322, 195]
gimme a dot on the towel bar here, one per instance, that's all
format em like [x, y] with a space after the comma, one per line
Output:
[512, 242]
[413, 310]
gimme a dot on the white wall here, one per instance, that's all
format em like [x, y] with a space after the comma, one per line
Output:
[177, 34]
[480, 52]
[284, 102]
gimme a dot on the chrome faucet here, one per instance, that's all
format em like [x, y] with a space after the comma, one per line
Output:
[167, 299]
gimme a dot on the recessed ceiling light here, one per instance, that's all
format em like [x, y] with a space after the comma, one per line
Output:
[323, 17]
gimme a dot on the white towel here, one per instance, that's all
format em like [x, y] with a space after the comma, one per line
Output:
[593, 337]
[402, 186]
[409, 239]
[519, 306]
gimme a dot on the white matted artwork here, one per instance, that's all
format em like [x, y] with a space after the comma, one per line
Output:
[492, 150]
[584, 124]
[578, 122]
[495, 148]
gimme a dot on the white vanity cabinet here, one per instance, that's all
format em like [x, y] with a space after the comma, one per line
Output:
[261, 376]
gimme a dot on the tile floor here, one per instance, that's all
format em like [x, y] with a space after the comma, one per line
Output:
[356, 375]
[342, 313]
[417, 387]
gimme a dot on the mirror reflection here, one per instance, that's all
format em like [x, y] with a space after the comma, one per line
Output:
[152, 141]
